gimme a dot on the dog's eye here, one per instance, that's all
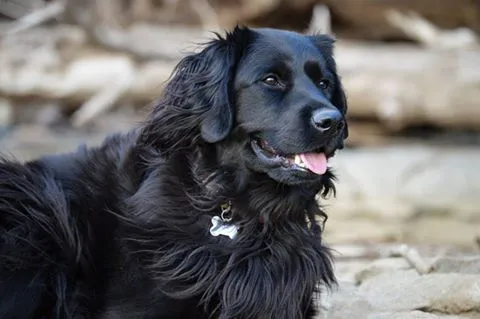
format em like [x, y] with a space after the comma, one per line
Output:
[273, 81]
[324, 84]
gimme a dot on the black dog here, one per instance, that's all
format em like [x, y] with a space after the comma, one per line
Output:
[207, 210]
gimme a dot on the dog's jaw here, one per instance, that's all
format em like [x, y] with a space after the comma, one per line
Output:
[308, 162]
[300, 168]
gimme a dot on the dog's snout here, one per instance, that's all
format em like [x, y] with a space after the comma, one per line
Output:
[327, 120]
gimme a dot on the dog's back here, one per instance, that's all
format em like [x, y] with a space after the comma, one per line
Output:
[62, 245]
[54, 229]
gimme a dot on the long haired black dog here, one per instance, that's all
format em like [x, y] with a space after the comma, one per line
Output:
[207, 210]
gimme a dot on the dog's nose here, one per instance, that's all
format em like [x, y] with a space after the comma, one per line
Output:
[327, 120]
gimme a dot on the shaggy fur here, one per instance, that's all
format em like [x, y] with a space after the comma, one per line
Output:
[122, 230]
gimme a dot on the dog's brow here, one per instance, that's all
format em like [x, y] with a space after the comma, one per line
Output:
[313, 69]
[277, 62]
[273, 48]
[277, 65]
[274, 56]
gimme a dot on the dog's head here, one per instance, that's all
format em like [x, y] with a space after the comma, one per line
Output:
[270, 102]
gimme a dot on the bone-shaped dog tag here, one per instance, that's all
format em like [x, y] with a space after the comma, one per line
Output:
[220, 228]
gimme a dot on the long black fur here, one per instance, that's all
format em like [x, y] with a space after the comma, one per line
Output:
[121, 230]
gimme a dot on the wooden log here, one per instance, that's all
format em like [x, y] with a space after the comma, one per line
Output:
[369, 133]
[399, 85]
[84, 77]
[360, 19]
[404, 85]
[367, 19]
[60, 63]
[19, 8]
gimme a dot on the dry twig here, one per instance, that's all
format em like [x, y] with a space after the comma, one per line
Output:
[207, 14]
[142, 41]
[413, 257]
[321, 21]
[100, 103]
[425, 32]
[37, 17]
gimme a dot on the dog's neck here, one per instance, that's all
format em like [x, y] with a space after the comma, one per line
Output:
[254, 197]
[284, 253]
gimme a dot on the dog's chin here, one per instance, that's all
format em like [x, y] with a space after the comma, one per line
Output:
[303, 168]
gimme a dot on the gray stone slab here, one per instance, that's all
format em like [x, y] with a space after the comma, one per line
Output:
[404, 181]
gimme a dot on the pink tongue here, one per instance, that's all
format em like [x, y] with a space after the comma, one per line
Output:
[316, 162]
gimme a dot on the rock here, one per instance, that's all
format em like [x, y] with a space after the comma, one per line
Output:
[346, 271]
[401, 182]
[381, 266]
[346, 230]
[406, 290]
[409, 315]
[26, 142]
[344, 303]
[41, 113]
[446, 230]
[6, 112]
[464, 265]
[442, 230]
[398, 193]
[388, 289]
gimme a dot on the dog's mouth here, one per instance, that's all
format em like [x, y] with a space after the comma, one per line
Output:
[314, 161]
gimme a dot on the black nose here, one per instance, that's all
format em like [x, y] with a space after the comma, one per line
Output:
[327, 120]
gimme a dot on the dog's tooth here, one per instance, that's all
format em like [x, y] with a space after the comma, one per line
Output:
[298, 160]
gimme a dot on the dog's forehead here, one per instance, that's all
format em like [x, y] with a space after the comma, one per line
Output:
[286, 45]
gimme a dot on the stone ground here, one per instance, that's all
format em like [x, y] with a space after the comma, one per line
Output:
[423, 195]
[418, 193]
[390, 288]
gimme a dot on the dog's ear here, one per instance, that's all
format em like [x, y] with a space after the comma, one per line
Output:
[325, 44]
[203, 83]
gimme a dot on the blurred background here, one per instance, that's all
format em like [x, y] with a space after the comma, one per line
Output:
[72, 71]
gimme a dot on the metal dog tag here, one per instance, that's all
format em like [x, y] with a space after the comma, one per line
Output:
[220, 228]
